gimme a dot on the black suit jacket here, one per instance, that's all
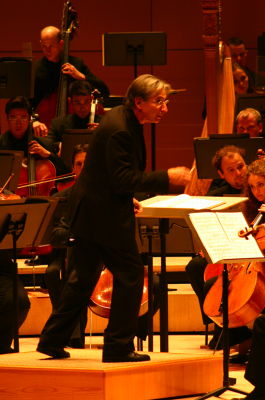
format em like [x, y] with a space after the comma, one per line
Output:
[101, 205]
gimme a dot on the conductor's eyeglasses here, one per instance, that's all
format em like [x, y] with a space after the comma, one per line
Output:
[160, 102]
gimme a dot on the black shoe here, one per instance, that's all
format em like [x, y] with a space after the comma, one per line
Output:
[131, 357]
[76, 343]
[7, 351]
[54, 352]
[238, 359]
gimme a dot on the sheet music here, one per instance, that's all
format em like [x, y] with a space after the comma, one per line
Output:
[218, 233]
[188, 202]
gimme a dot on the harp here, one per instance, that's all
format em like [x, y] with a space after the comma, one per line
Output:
[219, 85]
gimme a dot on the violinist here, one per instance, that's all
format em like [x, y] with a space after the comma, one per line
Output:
[230, 164]
[80, 102]
[255, 369]
[49, 67]
[18, 112]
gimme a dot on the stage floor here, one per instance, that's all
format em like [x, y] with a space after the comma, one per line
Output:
[186, 371]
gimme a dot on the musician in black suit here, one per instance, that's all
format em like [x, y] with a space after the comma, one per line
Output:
[47, 75]
[103, 222]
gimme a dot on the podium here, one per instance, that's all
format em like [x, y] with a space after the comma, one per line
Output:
[23, 223]
[165, 207]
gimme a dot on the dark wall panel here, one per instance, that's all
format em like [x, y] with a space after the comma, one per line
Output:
[182, 22]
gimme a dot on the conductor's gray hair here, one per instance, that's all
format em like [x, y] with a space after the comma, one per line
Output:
[145, 86]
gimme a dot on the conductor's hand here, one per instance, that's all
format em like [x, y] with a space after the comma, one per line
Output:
[178, 176]
[137, 206]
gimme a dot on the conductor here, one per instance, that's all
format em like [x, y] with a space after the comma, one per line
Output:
[102, 219]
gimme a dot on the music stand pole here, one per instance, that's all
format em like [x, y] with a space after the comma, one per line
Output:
[226, 380]
[15, 229]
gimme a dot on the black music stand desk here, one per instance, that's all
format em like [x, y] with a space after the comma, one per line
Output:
[23, 223]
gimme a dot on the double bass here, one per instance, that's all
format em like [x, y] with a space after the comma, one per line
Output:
[55, 104]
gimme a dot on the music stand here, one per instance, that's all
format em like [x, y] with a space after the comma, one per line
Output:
[16, 77]
[23, 223]
[136, 48]
[205, 149]
[225, 237]
[10, 164]
[72, 137]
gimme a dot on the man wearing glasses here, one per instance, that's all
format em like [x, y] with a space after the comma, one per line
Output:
[47, 75]
[102, 212]
[79, 118]
[18, 113]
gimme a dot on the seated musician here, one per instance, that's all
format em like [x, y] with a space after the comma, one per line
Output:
[255, 369]
[249, 121]
[80, 101]
[230, 164]
[18, 113]
[48, 69]
[241, 81]
[55, 273]
[236, 49]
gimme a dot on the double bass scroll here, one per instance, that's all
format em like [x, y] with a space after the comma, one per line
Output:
[69, 26]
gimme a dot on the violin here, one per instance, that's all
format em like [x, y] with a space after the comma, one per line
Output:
[246, 291]
[96, 106]
[100, 300]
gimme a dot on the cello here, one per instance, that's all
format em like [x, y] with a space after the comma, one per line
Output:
[100, 300]
[246, 291]
[35, 169]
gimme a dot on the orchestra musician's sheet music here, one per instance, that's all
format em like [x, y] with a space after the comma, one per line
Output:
[218, 235]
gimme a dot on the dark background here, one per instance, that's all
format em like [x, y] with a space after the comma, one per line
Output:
[22, 21]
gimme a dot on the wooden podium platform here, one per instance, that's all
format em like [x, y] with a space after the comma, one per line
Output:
[31, 376]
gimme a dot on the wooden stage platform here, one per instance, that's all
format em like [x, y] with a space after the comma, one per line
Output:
[28, 375]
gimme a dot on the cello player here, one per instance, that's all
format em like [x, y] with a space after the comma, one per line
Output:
[230, 164]
[255, 369]
[18, 112]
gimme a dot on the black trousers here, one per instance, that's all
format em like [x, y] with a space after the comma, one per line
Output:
[84, 261]
[255, 370]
